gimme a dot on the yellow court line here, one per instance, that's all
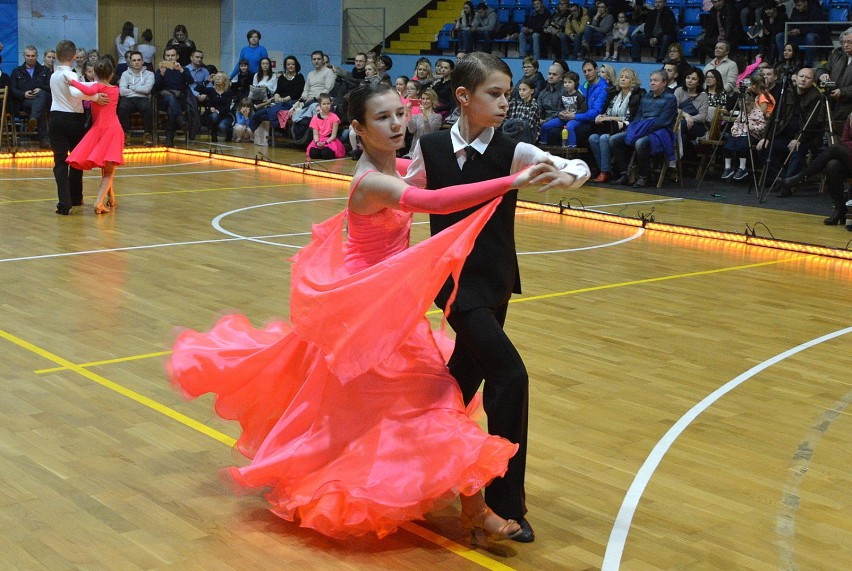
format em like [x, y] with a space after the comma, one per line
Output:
[460, 550]
[640, 282]
[64, 364]
[133, 395]
[105, 362]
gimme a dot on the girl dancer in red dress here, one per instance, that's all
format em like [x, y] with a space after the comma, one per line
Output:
[103, 145]
[349, 415]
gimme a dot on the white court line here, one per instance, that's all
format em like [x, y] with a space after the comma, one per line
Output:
[621, 526]
[637, 234]
[631, 203]
[216, 223]
[149, 246]
[95, 175]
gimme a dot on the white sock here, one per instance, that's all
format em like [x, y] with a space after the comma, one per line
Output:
[727, 164]
[743, 163]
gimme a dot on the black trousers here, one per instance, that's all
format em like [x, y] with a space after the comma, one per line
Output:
[836, 162]
[66, 130]
[484, 351]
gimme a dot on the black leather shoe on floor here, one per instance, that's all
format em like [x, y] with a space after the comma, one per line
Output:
[641, 182]
[525, 534]
[837, 217]
[623, 179]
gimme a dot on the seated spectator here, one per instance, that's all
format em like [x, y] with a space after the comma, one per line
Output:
[324, 125]
[443, 87]
[483, 28]
[200, 78]
[4, 77]
[673, 72]
[401, 85]
[289, 87]
[804, 34]
[798, 124]
[575, 27]
[571, 101]
[649, 132]
[836, 162]
[791, 62]
[427, 121]
[242, 122]
[838, 69]
[30, 88]
[746, 129]
[554, 31]
[171, 83]
[727, 67]
[465, 20]
[423, 73]
[770, 77]
[218, 101]
[675, 55]
[522, 118]
[594, 90]
[616, 37]
[532, 31]
[241, 83]
[93, 55]
[772, 21]
[694, 104]
[79, 60]
[135, 86]
[657, 30]
[595, 32]
[717, 97]
[621, 107]
[531, 72]
[721, 24]
[320, 79]
[265, 79]
[383, 65]
[550, 100]
[49, 58]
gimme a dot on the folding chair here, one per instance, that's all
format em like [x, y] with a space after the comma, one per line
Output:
[7, 122]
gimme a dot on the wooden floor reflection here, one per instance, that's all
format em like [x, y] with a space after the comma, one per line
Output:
[688, 397]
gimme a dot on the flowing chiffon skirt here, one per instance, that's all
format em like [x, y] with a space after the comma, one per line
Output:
[350, 417]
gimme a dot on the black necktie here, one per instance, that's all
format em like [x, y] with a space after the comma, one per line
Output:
[469, 153]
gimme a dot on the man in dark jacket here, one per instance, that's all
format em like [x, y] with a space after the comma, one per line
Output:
[30, 86]
[722, 23]
[798, 124]
[839, 70]
[659, 30]
[533, 29]
[803, 34]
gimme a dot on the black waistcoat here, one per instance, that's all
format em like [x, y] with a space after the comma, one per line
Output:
[490, 273]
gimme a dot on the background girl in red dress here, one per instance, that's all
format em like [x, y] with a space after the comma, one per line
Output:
[103, 144]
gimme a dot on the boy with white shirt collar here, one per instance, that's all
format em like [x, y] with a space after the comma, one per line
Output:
[67, 126]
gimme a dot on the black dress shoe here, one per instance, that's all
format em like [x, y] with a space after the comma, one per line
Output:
[63, 211]
[623, 179]
[641, 182]
[838, 217]
[525, 534]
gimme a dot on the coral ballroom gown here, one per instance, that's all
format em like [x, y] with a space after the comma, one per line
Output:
[104, 141]
[348, 413]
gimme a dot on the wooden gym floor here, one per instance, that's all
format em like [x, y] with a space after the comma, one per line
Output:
[689, 398]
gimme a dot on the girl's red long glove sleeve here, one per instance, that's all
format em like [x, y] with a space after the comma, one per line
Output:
[454, 198]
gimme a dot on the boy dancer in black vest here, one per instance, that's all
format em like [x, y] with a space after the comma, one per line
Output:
[472, 151]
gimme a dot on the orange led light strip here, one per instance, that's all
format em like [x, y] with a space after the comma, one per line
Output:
[744, 238]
